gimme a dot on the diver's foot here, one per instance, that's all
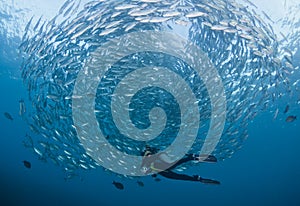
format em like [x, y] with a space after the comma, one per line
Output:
[207, 158]
[208, 181]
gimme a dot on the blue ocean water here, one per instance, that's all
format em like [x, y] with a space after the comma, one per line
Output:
[265, 171]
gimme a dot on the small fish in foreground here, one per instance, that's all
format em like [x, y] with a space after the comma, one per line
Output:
[290, 118]
[118, 185]
[276, 114]
[8, 116]
[154, 175]
[140, 183]
[27, 164]
[286, 109]
[157, 179]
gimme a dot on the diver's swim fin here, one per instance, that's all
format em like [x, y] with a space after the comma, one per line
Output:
[209, 181]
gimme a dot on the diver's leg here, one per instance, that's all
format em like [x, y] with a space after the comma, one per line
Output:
[187, 158]
[172, 175]
[197, 157]
[194, 157]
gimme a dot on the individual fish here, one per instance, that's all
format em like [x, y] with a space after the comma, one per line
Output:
[140, 183]
[267, 16]
[157, 179]
[219, 27]
[76, 8]
[172, 14]
[116, 14]
[83, 166]
[130, 26]
[258, 53]
[181, 22]
[28, 25]
[150, 1]
[141, 12]
[143, 19]
[288, 58]
[246, 36]
[113, 24]
[243, 28]
[195, 14]
[125, 6]
[22, 108]
[72, 27]
[79, 33]
[233, 23]
[290, 118]
[232, 31]
[289, 65]
[8, 116]
[27, 164]
[64, 6]
[276, 114]
[252, 4]
[38, 152]
[67, 12]
[37, 24]
[107, 31]
[207, 24]
[286, 109]
[118, 185]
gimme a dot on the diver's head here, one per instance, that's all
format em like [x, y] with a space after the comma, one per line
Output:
[145, 170]
[147, 153]
[150, 150]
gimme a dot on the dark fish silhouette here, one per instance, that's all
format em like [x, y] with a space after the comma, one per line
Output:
[118, 185]
[157, 179]
[27, 164]
[290, 118]
[140, 183]
[286, 109]
[8, 116]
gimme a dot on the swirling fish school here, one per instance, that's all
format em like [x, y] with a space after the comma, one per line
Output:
[239, 43]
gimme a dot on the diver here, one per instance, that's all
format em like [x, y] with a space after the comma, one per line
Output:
[155, 164]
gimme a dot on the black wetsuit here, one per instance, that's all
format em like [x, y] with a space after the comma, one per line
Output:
[168, 173]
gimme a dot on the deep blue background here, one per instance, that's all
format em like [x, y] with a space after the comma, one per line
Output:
[265, 171]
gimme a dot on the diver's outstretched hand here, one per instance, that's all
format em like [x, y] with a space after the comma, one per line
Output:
[206, 158]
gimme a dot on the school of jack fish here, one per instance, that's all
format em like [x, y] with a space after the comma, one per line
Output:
[240, 44]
